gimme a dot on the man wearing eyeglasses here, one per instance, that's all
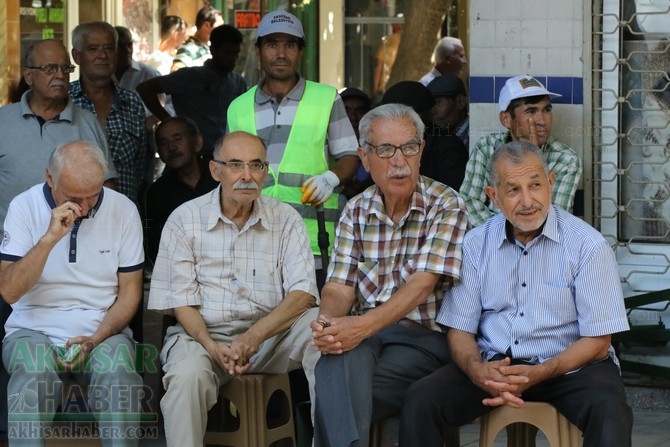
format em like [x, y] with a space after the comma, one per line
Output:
[397, 250]
[235, 268]
[31, 129]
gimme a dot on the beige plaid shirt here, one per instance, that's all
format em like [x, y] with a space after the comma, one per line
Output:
[231, 274]
[376, 256]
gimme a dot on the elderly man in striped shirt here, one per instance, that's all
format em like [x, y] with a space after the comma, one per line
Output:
[532, 318]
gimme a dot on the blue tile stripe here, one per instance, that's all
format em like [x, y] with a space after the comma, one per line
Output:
[485, 89]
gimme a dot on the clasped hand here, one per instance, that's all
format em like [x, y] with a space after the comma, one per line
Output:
[505, 382]
[235, 358]
[337, 335]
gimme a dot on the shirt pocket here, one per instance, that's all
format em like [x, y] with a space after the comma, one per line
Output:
[554, 306]
[264, 288]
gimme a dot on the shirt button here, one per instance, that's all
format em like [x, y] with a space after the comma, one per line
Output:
[521, 314]
[523, 284]
[72, 252]
[525, 252]
[516, 342]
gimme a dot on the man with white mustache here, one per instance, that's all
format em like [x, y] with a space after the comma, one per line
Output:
[236, 270]
[397, 250]
[526, 112]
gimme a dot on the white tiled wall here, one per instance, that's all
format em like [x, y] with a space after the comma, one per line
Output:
[539, 37]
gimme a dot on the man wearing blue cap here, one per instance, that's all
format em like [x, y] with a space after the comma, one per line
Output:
[526, 112]
[295, 117]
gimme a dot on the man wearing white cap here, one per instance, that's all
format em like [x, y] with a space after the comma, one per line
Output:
[295, 117]
[526, 112]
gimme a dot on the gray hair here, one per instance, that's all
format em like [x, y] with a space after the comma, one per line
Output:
[445, 47]
[61, 158]
[516, 152]
[82, 29]
[390, 111]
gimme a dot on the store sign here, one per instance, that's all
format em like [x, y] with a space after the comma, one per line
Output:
[247, 19]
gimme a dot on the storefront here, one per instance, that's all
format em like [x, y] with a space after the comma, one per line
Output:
[347, 40]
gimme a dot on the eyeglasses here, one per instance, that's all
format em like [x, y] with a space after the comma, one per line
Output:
[53, 68]
[237, 166]
[388, 150]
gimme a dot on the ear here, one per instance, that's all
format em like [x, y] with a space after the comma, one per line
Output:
[198, 143]
[28, 76]
[50, 179]
[214, 170]
[363, 155]
[461, 102]
[552, 178]
[75, 56]
[491, 194]
[506, 119]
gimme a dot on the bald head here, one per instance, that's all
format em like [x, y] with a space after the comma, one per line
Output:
[236, 139]
[82, 158]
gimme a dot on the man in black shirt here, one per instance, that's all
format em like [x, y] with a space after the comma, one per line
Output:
[178, 141]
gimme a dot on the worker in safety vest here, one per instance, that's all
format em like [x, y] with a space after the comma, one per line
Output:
[295, 118]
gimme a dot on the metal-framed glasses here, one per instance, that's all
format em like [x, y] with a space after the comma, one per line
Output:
[53, 68]
[387, 150]
[237, 166]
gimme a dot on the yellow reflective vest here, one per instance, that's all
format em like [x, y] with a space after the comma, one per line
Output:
[303, 156]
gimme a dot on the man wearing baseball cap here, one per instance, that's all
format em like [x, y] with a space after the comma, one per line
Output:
[450, 111]
[295, 118]
[526, 112]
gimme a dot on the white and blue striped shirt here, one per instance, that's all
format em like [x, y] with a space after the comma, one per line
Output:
[534, 301]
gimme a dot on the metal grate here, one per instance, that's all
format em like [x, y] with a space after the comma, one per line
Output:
[631, 136]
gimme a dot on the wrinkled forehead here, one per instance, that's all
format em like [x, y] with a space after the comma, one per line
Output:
[50, 52]
[242, 146]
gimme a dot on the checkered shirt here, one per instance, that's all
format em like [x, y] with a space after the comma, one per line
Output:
[376, 256]
[126, 136]
[561, 159]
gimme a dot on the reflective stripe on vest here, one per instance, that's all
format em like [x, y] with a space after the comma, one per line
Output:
[303, 155]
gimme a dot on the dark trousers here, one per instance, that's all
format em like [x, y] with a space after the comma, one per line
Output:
[369, 382]
[592, 398]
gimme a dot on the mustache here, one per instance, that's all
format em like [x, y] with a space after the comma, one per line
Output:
[398, 171]
[245, 185]
[523, 209]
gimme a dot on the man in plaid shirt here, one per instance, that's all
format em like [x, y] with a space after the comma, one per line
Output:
[526, 112]
[397, 249]
[119, 111]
